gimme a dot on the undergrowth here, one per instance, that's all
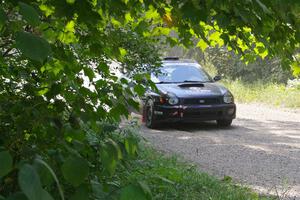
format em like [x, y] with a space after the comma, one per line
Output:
[170, 179]
[271, 94]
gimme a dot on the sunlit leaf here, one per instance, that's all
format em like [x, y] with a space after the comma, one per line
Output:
[47, 10]
[130, 145]
[152, 13]
[296, 68]
[216, 37]
[128, 17]
[202, 44]
[68, 35]
[70, 1]
[123, 51]
[110, 154]
[43, 91]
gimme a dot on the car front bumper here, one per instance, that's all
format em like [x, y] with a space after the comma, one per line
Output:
[194, 113]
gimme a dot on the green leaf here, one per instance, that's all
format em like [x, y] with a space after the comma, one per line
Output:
[263, 7]
[116, 149]
[144, 186]
[133, 192]
[97, 190]
[48, 174]
[75, 170]
[134, 104]
[104, 68]
[110, 154]
[17, 196]
[32, 46]
[108, 159]
[29, 182]
[296, 68]
[29, 14]
[70, 1]
[202, 44]
[123, 51]
[46, 195]
[2, 18]
[139, 89]
[81, 193]
[6, 163]
[44, 174]
[130, 145]
[89, 73]
[47, 10]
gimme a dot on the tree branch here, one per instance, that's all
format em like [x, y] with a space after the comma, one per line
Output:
[6, 52]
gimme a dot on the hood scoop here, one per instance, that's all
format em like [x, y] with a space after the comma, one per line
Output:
[186, 85]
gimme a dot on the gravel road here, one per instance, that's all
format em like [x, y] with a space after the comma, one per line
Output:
[260, 150]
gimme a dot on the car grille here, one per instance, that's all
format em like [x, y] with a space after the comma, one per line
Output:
[202, 101]
[203, 114]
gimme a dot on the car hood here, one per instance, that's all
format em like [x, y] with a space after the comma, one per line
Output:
[190, 90]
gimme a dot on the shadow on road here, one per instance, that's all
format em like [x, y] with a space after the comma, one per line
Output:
[193, 127]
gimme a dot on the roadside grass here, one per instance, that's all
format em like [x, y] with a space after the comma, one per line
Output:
[170, 179]
[271, 94]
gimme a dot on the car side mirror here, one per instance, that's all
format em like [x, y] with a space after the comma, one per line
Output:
[217, 78]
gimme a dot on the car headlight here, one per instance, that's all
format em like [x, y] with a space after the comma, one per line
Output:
[173, 100]
[228, 98]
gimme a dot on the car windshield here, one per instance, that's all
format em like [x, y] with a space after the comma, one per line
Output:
[180, 73]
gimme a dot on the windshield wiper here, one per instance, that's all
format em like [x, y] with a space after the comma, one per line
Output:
[191, 81]
[164, 82]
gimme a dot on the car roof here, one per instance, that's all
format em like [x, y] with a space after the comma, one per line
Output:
[180, 62]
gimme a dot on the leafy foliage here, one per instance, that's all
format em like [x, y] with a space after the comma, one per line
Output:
[61, 99]
[232, 68]
[220, 61]
[7, 162]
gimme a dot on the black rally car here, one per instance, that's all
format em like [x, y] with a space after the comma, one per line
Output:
[187, 93]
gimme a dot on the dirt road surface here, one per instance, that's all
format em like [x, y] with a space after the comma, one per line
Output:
[260, 150]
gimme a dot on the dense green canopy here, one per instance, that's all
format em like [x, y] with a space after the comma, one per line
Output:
[51, 118]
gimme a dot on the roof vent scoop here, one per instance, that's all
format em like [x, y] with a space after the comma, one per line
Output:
[171, 58]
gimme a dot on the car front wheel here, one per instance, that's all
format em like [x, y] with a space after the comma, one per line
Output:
[224, 122]
[149, 115]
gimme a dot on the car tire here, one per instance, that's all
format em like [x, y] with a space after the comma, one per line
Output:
[149, 115]
[224, 122]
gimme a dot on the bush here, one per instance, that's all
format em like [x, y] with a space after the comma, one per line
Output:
[220, 61]
[268, 93]
[231, 67]
[295, 83]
